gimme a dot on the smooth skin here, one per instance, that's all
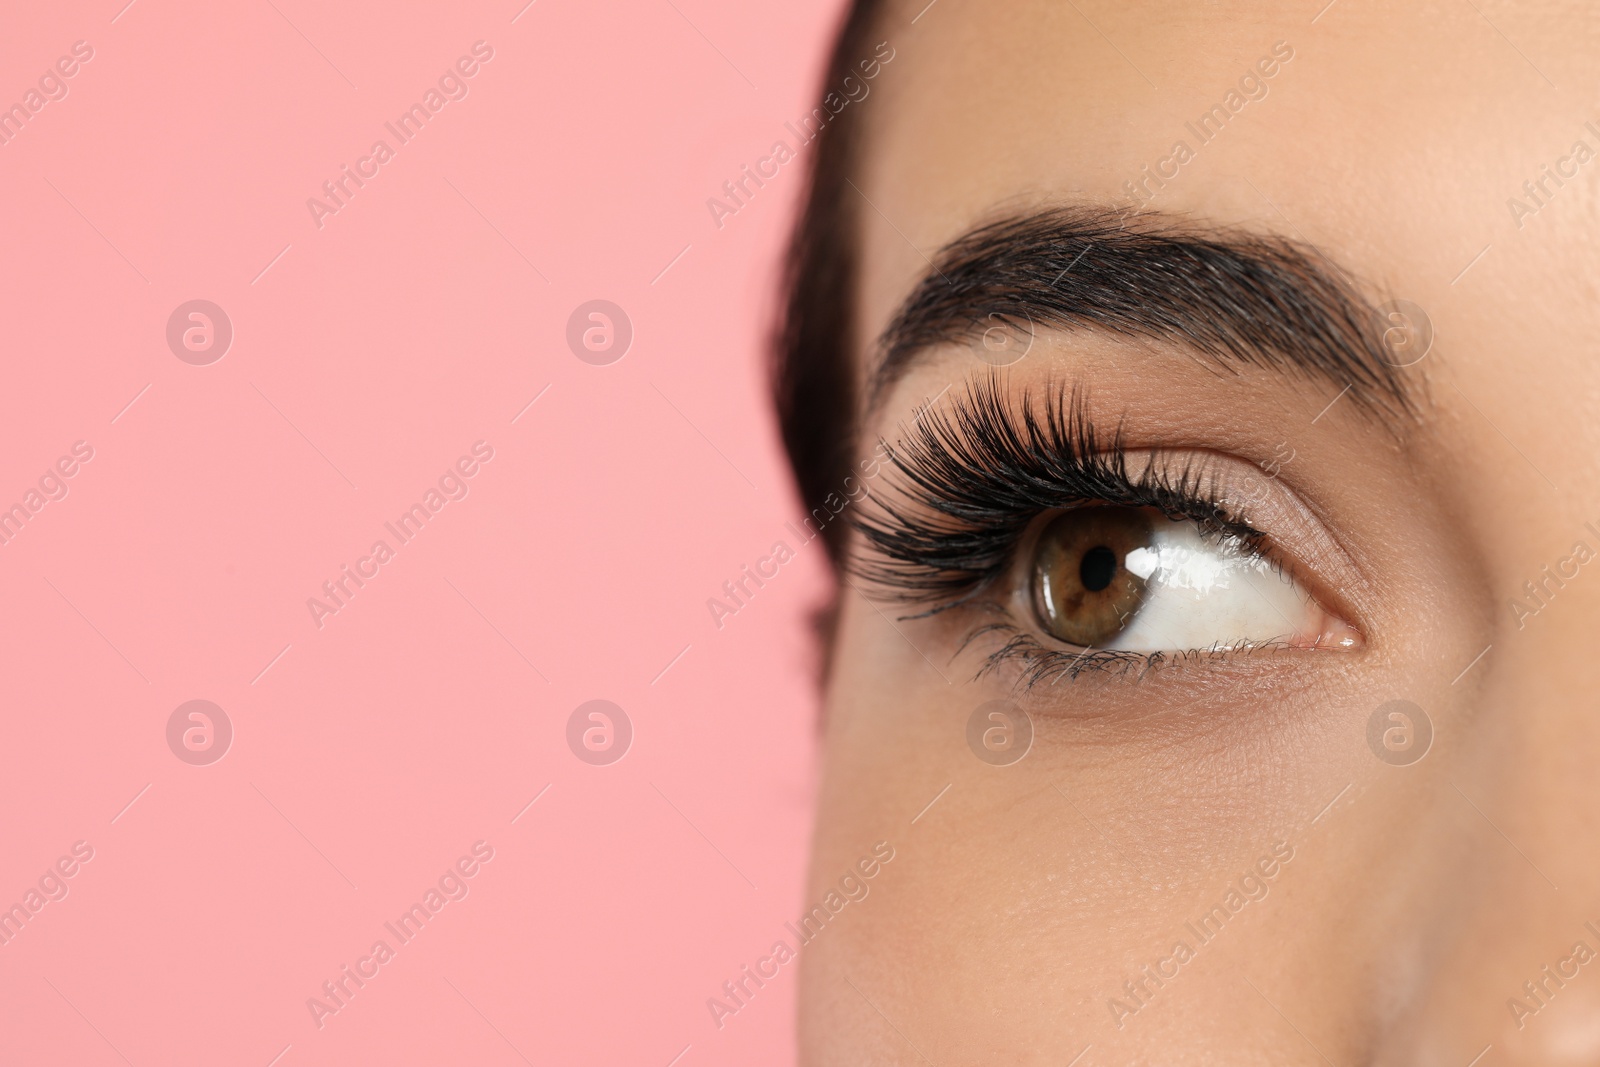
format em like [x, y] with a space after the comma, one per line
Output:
[1419, 899]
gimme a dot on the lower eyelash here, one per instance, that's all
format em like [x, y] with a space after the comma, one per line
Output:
[1039, 664]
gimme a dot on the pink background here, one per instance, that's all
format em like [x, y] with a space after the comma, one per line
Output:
[369, 754]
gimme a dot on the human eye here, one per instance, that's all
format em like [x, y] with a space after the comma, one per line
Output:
[1136, 580]
[1069, 551]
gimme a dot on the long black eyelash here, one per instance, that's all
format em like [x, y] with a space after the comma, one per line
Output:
[967, 479]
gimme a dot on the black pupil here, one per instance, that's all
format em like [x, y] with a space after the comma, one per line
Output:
[1099, 566]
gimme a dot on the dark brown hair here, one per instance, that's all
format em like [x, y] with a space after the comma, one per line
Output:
[813, 379]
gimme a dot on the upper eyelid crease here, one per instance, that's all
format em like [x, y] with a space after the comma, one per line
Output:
[1241, 299]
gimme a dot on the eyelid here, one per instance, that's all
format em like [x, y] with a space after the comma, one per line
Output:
[1264, 501]
[969, 476]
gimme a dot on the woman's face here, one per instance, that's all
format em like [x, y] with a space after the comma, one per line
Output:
[1357, 821]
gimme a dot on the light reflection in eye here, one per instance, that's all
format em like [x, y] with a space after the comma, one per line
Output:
[1125, 580]
[1213, 592]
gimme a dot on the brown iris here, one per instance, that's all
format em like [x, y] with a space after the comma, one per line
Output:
[1083, 592]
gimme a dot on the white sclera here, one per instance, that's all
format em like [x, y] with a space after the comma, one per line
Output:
[1210, 592]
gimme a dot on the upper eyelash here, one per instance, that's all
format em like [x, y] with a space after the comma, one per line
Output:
[968, 480]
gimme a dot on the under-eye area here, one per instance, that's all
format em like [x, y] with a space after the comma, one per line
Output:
[1052, 546]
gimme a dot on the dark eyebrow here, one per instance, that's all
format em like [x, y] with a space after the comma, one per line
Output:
[1242, 299]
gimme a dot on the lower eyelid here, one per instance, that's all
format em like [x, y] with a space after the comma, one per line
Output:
[1037, 666]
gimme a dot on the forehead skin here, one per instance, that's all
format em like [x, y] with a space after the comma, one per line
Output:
[1393, 138]
[1392, 141]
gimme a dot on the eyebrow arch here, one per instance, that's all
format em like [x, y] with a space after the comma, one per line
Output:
[1241, 299]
